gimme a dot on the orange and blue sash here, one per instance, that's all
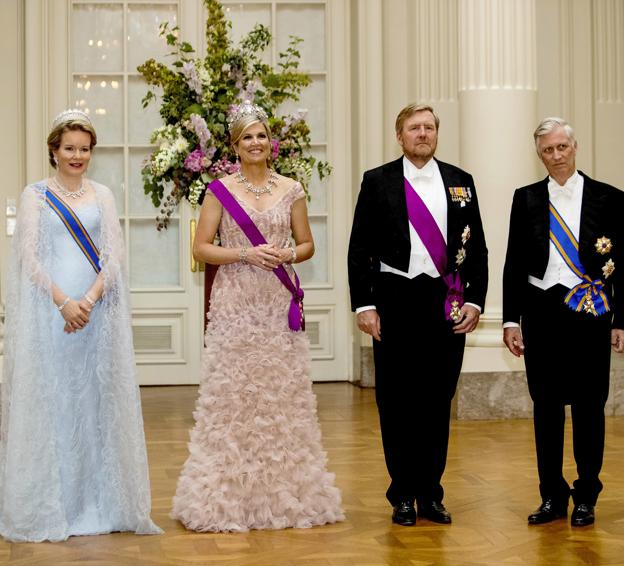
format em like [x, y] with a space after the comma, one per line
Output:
[587, 296]
[76, 229]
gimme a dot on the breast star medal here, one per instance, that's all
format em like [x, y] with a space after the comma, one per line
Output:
[608, 268]
[465, 235]
[603, 245]
[461, 256]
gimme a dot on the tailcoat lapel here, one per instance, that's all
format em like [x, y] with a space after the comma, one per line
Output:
[539, 214]
[395, 194]
[451, 178]
[591, 207]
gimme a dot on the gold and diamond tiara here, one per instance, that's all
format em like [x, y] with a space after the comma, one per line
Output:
[246, 108]
[69, 115]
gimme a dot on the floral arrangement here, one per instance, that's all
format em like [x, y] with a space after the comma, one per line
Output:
[196, 96]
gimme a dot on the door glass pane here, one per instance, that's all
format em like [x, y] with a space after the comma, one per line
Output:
[318, 189]
[143, 40]
[315, 270]
[154, 256]
[306, 21]
[102, 99]
[97, 38]
[139, 203]
[141, 121]
[107, 167]
[245, 16]
[313, 100]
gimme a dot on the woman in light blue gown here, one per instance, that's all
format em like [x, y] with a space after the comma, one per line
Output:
[72, 448]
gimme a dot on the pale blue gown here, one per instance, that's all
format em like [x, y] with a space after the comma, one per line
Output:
[72, 445]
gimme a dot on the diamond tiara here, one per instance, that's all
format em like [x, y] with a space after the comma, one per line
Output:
[246, 108]
[69, 115]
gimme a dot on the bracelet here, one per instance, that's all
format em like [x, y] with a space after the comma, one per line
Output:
[242, 256]
[293, 255]
[62, 306]
[90, 300]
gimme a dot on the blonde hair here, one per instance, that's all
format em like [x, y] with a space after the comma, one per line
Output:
[238, 128]
[411, 109]
[56, 134]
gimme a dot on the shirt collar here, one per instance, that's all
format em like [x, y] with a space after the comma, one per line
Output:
[568, 189]
[425, 172]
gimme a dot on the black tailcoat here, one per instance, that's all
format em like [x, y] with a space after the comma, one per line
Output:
[567, 354]
[418, 360]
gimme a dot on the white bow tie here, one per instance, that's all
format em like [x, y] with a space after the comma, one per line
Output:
[566, 191]
[423, 174]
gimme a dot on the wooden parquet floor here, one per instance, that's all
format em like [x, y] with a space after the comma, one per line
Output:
[491, 486]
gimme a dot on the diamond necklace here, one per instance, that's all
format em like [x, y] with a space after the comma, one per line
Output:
[258, 191]
[69, 194]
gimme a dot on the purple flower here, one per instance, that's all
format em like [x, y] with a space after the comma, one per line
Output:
[200, 128]
[195, 161]
[275, 148]
[223, 167]
[190, 73]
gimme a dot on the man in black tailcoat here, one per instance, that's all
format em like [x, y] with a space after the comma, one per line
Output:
[563, 310]
[407, 293]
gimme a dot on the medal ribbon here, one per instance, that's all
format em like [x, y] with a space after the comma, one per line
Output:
[296, 320]
[428, 231]
[76, 229]
[588, 295]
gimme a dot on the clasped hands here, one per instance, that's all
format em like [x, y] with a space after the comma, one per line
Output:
[268, 256]
[76, 315]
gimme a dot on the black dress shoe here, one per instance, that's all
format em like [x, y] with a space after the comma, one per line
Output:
[582, 515]
[404, 514]
[548, 511]
[434, 511]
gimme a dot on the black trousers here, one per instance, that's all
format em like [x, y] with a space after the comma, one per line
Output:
[567, 356]
[417, 365]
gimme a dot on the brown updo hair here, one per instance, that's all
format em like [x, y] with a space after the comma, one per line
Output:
[55, 135]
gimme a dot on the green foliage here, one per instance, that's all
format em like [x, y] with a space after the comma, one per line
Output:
[196, 95]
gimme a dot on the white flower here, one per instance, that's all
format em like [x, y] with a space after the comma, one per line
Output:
[180, 145]
[195, 191]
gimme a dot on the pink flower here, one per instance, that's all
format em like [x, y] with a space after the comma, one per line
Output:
[223, 167]
[275, 151]
[195, 161]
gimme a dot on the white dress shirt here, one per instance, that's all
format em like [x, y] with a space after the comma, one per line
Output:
[567, 200]
[428, 185]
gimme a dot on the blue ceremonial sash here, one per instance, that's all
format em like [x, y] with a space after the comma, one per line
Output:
[76, 229]
[588, 295]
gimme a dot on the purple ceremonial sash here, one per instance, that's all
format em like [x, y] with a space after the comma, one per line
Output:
[427, 229]
[296, 320]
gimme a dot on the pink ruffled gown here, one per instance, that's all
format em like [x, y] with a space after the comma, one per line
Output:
[256, 460]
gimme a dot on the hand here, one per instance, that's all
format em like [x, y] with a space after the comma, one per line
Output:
[369, 322]
[264, 256]
[617, 340]
[468, 321]
[75, 316]
[512, 336]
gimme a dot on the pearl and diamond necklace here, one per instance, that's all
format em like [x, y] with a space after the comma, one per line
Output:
[258, 191]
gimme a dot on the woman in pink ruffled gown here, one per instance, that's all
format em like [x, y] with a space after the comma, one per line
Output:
[256, 460]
